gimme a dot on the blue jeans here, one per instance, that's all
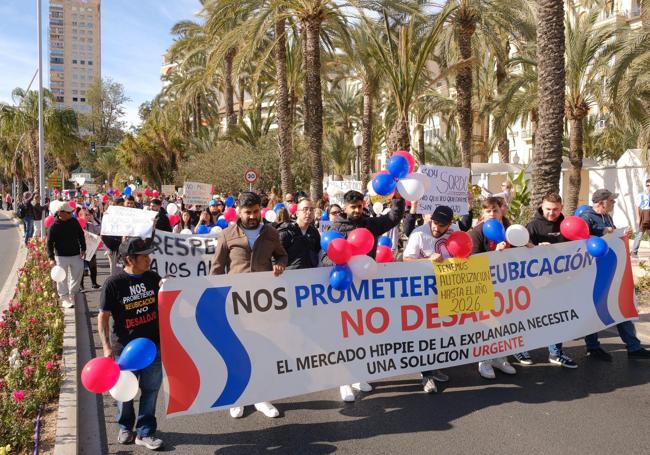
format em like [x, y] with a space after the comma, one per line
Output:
[28, 224]
[626, 331]
[637, 241]
[150, 380]
[555, 350]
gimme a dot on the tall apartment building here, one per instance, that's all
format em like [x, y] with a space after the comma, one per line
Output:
[75, 50]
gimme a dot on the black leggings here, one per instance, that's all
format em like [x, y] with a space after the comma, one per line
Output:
[92, 266]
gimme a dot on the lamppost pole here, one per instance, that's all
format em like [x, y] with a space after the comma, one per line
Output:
[358, 141]
[41, 129]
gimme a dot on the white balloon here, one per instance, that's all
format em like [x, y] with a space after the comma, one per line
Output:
[422, 178]
[377, 207]
[186, 231]
[216, 230]
[58, 274]
[55, 206]
[371, 190]
[411, 189]
[132, 186]
[271, 216]
[517, 235]
[172, 208]
[386, 211]
[363, 266]
[126, 388]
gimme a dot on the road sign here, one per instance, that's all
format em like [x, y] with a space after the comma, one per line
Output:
[251, 176]
[54, 182]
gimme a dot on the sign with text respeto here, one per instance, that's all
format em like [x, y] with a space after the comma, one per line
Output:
[240, 339]
[182, 256]
[120, 221]
[449, 186]
[195, 193]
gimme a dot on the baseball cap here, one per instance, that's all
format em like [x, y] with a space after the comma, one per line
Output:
[135, 246]
[65, 207]
[443, 214]
[212, 203]
[602, 195]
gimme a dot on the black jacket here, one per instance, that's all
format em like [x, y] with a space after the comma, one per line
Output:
[302, 249]
[480, 243]
[162, 221]
[27, 207]
[377, 225]
[65, 238]
[543, 231]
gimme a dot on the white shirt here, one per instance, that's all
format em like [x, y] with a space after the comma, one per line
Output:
[422, 244]
[252, 235]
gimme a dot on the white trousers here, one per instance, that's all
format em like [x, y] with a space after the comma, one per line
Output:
[74, 270]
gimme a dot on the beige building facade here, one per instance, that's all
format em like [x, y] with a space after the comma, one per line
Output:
[74, 38]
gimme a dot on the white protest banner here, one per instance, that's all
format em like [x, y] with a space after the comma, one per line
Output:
[337, 188]
[92, 243]
[179, 255]
[449, 187]
[168, 190]
[240, 339]
[197, 193]
[127, 221]
[91, 188]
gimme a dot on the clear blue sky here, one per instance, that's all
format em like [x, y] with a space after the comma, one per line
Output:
[135, 35]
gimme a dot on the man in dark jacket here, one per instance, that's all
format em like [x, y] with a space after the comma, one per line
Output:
[300, 238]
[66, 247]
[162, 221]
[600, 223]
[26, 214]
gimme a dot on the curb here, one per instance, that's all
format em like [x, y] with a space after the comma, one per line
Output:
[8, 289]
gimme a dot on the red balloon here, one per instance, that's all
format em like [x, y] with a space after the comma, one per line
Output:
[361, 240]
[293, 208]
[459, 244]
[100, 374]
[73, 204]
[339, 251]
[174, 219]
[147, 192]
[230, 214]
[264, 210]
[155, 193]
[82, 222]
[574, 228]
[384, 254]
[49, 220]
[106, 199]
[408, 157]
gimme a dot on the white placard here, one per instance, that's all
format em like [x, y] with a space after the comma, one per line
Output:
[336, 189]
[121, 221]
[91, 188]
[168, 190]
[182, 256]
[92, 243]
[195, 193]
[449, 187]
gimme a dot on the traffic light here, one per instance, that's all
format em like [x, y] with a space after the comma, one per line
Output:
[92, 147]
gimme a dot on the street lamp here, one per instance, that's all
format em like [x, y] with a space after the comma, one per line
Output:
[357, 139]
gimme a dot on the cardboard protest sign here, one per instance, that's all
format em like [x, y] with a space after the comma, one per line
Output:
[336, 189]
[179, 255]
[449, 186]
[122, 221]
[464, 285]
[195, 193]
[241, 339]
[91, 188]
[92, 243]
[168, 190]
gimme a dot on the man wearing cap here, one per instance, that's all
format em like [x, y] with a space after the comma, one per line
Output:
[429, 242]
[600, 223]
[216, 210]
[66, 247]
[131, 299]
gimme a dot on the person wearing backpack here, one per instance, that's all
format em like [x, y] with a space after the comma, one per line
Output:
[26, 214]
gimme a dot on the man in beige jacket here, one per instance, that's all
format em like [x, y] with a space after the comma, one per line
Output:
[250, 246]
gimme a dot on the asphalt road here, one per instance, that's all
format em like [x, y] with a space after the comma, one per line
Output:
[599, 408]
[8, 246]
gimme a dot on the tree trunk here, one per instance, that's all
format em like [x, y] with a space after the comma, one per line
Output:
[464, 92]
[283, 114]
[314, 104]
[421, 155]
[503, 146]
[551, 81]
[399, 137]
[240, 112]
[575, 157]
[366, 127]
[231, 117]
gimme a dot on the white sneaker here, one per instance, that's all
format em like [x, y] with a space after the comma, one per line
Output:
[237, 412]
[501, 363]
[362, 386]
[267, 409]
[485, 369]
[67, 302]
[347, 394]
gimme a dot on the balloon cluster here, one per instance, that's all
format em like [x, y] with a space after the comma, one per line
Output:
[575, 228]
[399, 175]
[515, 235]
[103, 374]
[350, 256]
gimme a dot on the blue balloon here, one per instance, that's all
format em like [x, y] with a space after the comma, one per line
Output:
[597, 247]
[230, 201]
[327, 237]
[385, 241]
[203, 229]
[398, 167]
[127, 191]
[493, 230]
[341, 277]
[581, 209]
[110, 192]
[384, 184]
[325, 216]
[137, 355]
[223, 224]
[278, 206]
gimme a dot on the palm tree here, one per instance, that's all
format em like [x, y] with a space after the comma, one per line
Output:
[547, 158]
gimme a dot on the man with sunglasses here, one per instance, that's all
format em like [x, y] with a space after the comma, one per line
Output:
[300, 238]
[643, 215]
[429, 243]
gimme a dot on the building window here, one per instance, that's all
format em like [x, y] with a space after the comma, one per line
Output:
[74, 92]
[83, 100]
[74, 61]
[90, 62]
[74, 98]
[82, 62]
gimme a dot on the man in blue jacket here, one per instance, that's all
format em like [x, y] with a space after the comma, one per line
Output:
[600, 223]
